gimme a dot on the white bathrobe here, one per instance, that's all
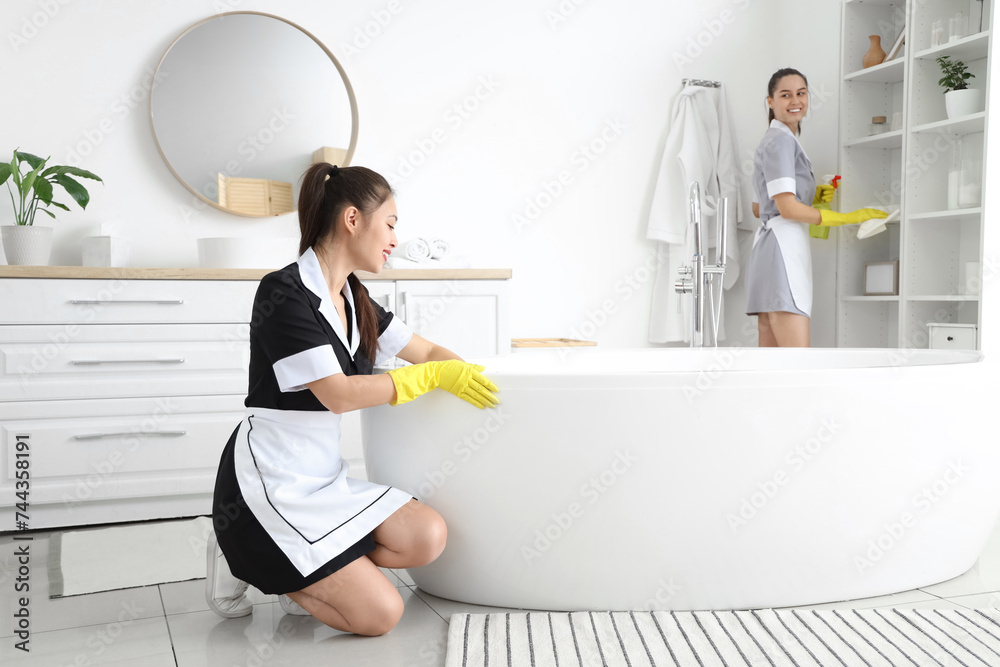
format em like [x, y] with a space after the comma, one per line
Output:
[700, 147]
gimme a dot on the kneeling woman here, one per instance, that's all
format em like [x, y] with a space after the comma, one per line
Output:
[286, 516]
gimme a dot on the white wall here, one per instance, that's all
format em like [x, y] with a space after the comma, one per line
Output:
[517, 89]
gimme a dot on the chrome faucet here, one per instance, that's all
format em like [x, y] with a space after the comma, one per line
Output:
[696, 279]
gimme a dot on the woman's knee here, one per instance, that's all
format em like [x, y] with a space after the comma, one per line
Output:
[380, 615]
[431, 539]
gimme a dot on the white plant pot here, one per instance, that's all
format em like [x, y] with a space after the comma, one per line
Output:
[26, 245]
[958, 103]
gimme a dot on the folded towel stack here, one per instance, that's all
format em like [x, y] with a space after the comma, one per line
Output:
[419, 253]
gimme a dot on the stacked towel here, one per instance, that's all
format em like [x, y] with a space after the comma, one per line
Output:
[420, 250]
[415, 250]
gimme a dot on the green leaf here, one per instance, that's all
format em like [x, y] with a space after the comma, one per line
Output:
[33, 160]
[15, 171]
[58, 205]
[4, 172]
[50, 213]
[75, 171]
[44, 190]
[75, 190]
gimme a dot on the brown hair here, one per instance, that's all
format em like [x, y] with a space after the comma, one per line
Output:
[326, 191]
[773, 83]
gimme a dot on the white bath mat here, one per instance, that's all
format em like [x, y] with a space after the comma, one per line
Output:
[889, 637]
[105, 559]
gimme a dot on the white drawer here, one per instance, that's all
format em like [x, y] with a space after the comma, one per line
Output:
[134, 448]
[952, 336]
[43, 301]
[111, 361]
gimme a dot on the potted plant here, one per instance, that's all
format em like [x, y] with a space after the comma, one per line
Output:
[31, 186]
[959, 99]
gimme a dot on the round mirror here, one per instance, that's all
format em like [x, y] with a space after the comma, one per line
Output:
[244, 103]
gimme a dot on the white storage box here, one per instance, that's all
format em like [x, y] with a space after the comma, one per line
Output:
[947, 336]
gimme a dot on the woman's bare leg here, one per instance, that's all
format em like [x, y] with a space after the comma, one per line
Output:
[358, 598]
[765, 336]
[788, 329]
[413, 536]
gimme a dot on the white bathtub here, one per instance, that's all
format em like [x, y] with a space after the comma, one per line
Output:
[701, 479]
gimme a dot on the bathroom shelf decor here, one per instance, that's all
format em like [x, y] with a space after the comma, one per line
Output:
[31, 186]
[924, 166]
[959, 99]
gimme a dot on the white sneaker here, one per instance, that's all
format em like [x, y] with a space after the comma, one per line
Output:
[225, 594]
[290, 606]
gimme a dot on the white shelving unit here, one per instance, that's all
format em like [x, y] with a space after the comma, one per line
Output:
[909, 168]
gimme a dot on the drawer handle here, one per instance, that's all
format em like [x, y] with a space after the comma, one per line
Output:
[161, 302]
[951, 338]
[98, 436]
[94, 362]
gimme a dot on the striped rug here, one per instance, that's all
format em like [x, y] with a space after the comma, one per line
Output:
[845, 637]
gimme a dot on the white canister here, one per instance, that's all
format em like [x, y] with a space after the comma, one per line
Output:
[105, 251]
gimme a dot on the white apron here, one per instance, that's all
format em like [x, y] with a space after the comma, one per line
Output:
[294, 481]
[793, 239]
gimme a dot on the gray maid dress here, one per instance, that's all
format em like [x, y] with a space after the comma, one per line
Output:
[779, 270]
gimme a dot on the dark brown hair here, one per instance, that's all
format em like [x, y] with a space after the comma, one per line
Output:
[773, 84]
[326, 191]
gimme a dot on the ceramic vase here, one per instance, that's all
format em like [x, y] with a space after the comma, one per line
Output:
[26, 245]
[875, 53]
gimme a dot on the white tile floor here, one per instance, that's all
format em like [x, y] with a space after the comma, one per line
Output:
[170, 624]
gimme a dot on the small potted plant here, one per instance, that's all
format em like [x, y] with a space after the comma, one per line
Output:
[31, 187]
[959, 98]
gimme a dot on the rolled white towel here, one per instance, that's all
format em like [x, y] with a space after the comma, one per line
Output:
[439, 248]
[415, 250]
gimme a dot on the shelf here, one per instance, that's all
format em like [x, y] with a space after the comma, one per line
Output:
[945, 297]
[964, 125]
[888, 72]
[973, 47]
[886, 140]
[956, 214]
[894, 297]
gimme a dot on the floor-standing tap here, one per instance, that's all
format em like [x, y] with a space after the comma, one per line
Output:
[697, 279]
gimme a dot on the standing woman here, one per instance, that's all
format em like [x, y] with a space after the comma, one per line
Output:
[286, 516]
[779, 270]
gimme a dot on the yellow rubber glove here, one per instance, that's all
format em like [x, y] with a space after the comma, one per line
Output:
[824, 194]
[458, 377]
[835, 219]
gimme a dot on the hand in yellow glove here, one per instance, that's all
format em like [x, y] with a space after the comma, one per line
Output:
[458, 377]
[835, 219]
[824, 194]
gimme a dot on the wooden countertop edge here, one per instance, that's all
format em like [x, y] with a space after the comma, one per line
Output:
[196, 273]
